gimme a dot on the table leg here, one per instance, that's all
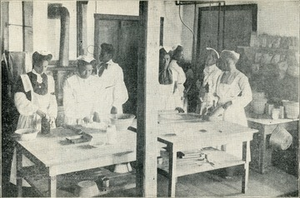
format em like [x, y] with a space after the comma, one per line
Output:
[18, 171]
[52, 185]
[246, 158]
[262, 150]
[172, 170]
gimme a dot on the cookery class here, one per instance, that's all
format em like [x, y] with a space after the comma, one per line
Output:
[149, 99]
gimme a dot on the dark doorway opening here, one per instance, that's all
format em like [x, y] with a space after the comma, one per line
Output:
[121, 32]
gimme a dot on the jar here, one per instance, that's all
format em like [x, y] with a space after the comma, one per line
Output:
[45, 126]
[275, 113]
[111, 133]
[269, 109]
[281, 114]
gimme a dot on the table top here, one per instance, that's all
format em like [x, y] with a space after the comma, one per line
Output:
[268, 121]
[189, 135]
[51, 149]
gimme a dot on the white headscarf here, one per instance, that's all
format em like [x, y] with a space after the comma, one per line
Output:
[235, 55]
[208, 48]
[86, 58]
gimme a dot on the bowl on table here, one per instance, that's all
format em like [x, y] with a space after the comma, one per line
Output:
[26, 134]
[122, 121]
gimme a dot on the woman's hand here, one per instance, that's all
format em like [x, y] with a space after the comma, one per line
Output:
[113, 110]
[179, 109]
[96, 117]
[175, 87]
[227, 104]
[52, 122]
[202, 92]
[41, 113]
[87, 120]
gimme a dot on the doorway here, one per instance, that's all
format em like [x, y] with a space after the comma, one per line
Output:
[121, 32]
[236, 22]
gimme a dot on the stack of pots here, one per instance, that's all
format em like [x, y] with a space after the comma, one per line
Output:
[258, 103]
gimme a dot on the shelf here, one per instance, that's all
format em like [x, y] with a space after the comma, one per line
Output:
[192, 165]
[66, 184]
[267, 49]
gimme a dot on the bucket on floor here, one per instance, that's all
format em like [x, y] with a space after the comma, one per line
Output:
[280, 139]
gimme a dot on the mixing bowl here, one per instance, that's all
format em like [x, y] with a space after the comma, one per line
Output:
[26, 134]
[122, 121]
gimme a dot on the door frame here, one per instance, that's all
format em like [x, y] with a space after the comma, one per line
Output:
[109, 17]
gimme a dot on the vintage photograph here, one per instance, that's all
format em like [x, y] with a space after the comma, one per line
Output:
[157, 98]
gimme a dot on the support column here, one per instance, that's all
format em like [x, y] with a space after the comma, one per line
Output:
[147, 110]
[81, 7]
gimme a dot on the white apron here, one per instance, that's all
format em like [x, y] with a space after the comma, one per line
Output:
[33, 121]
[166, 99]
[234, 114]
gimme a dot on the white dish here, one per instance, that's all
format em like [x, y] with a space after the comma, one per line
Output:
[26, 134]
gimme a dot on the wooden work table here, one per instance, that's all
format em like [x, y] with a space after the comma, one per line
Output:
[52, 156]
[260, 149]
[193, 136]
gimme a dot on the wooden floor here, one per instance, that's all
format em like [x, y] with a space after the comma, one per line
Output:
[272, 184]
[275, 183]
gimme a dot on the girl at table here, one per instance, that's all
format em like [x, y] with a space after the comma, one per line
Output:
[81, 94]
[34, 99]
[234, 93]
[207, 88]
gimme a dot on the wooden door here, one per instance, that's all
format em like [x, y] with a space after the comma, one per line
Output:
[121, 32]
[235, 30]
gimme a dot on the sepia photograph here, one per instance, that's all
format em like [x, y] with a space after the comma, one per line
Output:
[150, 98]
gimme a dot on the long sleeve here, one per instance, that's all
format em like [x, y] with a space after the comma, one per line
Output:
[120, 95]
[22, 100]
[69, 102]
[24, 106]
[245, 96]
[52, 108]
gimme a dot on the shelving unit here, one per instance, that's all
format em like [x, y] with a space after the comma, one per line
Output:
[66, 183]
[193, 138]
[192, 165]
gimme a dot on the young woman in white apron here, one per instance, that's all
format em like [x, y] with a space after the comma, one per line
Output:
[211, 74]
[34, 99]
[234, 93]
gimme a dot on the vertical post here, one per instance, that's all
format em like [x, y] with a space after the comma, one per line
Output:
[263, 147]
[52, 186]
[4, 38]
[52, 183]
[27, 12]
[161, 36]
[147, 110]
[246, 158]
[223, 42]
[18, 171]
[195, 39]
[81, 7]
[172, 170]
[218, 33]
